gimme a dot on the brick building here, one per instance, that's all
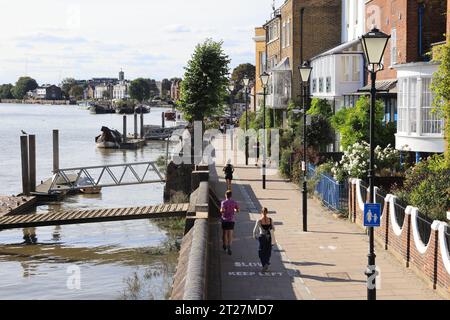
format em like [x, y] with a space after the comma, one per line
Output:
[414, 26]
[297, 31]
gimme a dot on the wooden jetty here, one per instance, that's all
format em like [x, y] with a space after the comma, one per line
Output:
[93, 216]
[12, 205]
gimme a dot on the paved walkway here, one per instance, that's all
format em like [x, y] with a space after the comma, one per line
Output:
[328, 262]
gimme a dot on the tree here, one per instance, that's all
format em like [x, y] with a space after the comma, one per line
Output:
[140, 89]
[106, 94]
[154, 91]
[76, 91]
[204, 86]
[66, 85]
[6, 91]
[23, 85]
[441, 89]
[237, 76]
[354, 123]
[166, 85]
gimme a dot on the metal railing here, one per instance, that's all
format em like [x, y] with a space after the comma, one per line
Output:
[447, 237]
[400, 214]
[105, 176]
[424, 228]
[333, 194]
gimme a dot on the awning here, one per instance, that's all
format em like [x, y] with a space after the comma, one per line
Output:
[389, 86]
[283, 65]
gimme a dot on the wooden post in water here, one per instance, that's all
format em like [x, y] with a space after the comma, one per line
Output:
[135, 125]
[25, 167]
[142, 125]
[55, 150]
[167, 152]
[32, 161]
[124, 133]
[163, 120]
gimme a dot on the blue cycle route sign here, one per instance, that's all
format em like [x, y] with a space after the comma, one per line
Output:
[372, 215]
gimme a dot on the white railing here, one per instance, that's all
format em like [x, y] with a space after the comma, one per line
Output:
[413, 212]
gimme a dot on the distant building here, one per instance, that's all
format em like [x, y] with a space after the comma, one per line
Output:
[159, 86]
[121, 91]
[103, 91]
[46, 92]
[89, 92]
[175, 90]
[121, 76]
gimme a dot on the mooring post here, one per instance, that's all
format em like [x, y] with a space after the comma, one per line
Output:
[124, 133]
[167, 152]
[163, 120]
[135, 125]
[142, 125]
[55, 151]
[32, 161]
[25, 167]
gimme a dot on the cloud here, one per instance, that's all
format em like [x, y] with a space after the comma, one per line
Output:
[50, 39]
[177, 28]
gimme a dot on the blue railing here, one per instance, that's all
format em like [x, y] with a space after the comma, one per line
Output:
[333, 194]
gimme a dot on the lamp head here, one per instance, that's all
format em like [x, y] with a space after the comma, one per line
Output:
[305, 71]
[374, 44]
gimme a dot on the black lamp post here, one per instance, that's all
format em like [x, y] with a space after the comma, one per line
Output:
[246, 81]
[265, 81]
[374, 44]
[231, 89]
[305, 73]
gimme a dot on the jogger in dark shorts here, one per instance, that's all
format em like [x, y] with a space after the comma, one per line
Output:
[228, 210]
[228, 170]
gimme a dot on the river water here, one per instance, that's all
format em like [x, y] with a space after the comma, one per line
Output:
[115, 260]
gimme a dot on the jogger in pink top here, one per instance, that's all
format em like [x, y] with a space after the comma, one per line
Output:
[228, 210]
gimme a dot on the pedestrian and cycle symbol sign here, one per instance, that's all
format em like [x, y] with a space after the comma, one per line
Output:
[372, 215]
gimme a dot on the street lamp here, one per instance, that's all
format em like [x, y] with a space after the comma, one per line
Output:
[374, 44]
[305, 73]
[265, 81]
[231, 89]
[246, 81]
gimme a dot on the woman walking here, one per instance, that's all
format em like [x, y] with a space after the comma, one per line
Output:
[263, 232]
[228, 210]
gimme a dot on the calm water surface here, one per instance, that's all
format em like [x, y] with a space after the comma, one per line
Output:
[117, 260]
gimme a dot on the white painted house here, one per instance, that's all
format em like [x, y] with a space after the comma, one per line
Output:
[419, 128]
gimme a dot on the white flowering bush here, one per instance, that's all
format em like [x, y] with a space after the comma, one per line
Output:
[355, 162]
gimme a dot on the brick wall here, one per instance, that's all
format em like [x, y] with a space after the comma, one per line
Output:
[403, 16]
[429, 265]
[322, 31]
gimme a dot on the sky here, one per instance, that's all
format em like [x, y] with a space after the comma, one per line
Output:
[50, 40]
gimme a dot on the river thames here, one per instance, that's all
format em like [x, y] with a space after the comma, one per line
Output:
[117, 260]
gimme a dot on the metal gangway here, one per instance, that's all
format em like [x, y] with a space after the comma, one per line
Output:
[110, 175]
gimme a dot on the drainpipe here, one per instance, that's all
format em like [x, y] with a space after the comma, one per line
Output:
[302, 14]
[421, 14]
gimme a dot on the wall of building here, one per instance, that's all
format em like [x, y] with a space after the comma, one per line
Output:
[260, 49]
[321, 32]
[403, 17]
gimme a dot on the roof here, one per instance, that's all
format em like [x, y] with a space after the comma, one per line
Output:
[284, 65]
[381, 86]
[340, 49]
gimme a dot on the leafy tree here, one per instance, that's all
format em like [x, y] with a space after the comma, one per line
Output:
[23, 85]
[354, 123]
[66, 85]
[106, 94]
[166, 85]
[76, 91]
[204, 86]
[320, 133]
[140, 89]
[6, 91]
[237, 76]
[441, 89]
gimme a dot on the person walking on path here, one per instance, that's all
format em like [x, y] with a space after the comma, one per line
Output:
[264, 233]
[228, 170]
[228, 209]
